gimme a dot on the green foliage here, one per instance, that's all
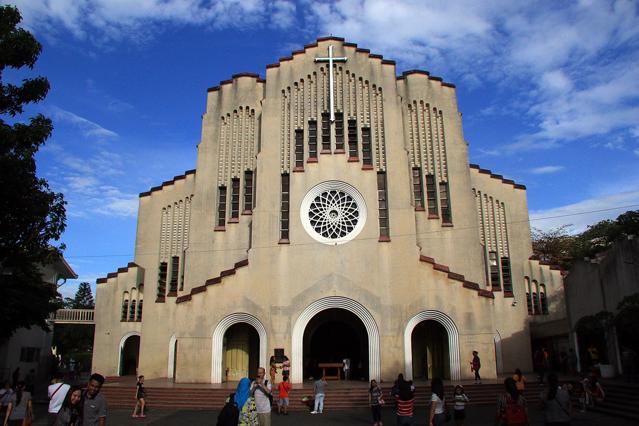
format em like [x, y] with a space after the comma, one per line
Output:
[31, 215]
[559, 247]
[83, 298]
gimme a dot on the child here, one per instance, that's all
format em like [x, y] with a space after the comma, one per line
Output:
[460, 399]
[284, 387]
[139, 396]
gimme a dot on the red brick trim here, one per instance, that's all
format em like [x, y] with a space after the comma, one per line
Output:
[486, 293]
[384, 239]
[509, 294]
[115, 274]
[171, 294]
[339, 151]
[426, 259]
[367, 167]
[433, 216]
[353, 159]
[247, 212]
[330, 38]
[496, 176]
[298, 169]
[447, 225]
[212, 281]
[159, 299]
[440, 267]
[219, 229]
[471, 285]
[311, 160]
[325, 151]
[457, 277]
[234, 220]
[283, 241]
[167, 183]
[420, 209]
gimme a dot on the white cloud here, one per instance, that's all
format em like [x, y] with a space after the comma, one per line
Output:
[104, 20]
[585, 212]
[544, 170]
[88, 127]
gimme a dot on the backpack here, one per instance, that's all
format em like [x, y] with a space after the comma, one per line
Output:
[515, 413]
[229, 415]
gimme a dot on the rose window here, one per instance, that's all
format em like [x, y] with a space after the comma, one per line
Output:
[333, 212]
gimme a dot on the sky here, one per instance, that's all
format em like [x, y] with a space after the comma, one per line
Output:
[549, 92]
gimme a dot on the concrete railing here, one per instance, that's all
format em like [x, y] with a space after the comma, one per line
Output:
[72, 316]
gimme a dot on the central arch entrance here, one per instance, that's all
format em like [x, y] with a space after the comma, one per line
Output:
[241, 352]
[331, 336]
[334, 302]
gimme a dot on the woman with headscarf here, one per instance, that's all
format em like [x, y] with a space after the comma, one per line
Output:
[246, 403]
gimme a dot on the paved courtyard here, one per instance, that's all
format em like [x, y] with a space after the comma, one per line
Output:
[477, 415]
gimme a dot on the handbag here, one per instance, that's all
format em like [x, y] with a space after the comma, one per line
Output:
[381, 401]
[27, 420]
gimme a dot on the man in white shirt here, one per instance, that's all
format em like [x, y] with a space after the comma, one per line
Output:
[347, 368]
[57, 391]
[261, 391]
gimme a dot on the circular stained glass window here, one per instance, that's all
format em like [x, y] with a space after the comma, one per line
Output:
[333, 212]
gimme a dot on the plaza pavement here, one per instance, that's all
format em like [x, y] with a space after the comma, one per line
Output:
[476, 415]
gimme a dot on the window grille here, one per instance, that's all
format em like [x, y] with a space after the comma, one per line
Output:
[248, 190]
[221, 207]
[326, 133]
[339, 131]
[444, 199]
[431, 195]
[494, 270]
[235, 198]
[299, 149]
[353, 151]
[312, 140]
[418, 189]
[367, 154]
[382, 199]
[285, 209]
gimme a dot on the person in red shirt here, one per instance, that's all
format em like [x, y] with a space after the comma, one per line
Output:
[284, 387]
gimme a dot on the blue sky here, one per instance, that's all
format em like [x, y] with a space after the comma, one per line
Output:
[549, 93]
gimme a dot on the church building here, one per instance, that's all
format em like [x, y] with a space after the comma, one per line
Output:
[333, 213]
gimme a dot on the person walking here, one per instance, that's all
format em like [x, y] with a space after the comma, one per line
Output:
[140, 394]
[272, 369]
[286, 367]
[261, 390]
[20, 408]
[437, 417]
[319, 389]
[511, 407]
[556, 403]
[460, 399]
[375, 400]
[94, 407]
[475, 365]
[283, 389]
[5, 397]
[70, 413]
[57, 392]
[520, 381]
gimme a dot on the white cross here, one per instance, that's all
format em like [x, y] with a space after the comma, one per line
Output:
[330, 61]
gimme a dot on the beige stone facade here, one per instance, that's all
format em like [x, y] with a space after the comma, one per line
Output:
[290, 216]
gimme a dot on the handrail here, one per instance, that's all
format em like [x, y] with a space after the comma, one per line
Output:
[72, 316]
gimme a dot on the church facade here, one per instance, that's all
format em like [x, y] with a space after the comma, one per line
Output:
[333, 214]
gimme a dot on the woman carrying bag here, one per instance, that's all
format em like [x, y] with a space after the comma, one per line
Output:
[20, 408]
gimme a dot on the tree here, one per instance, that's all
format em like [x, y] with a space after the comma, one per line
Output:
[83, 298]
[75, 338]
[553, 246]
[31, 215]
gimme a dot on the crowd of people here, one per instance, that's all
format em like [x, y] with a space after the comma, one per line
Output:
[68, 405]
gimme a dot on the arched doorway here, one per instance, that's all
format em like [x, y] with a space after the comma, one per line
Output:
[331, 336]
[218, 353]
[430, 351]
[241, 352]
[172, 367]
[450, 347]
[129, 354]
[372, 333]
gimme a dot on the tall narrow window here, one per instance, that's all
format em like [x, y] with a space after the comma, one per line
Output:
[299, 150]
[175, 269]
[182, 269]
[221, 207]
[542, 299]
[444, 199]
[494, 270]
[132, 311]
[285, 209]
[382, 199]
[431, 196]
[162, 280]
[339, 132]
[235, 200]
[125, 309]
[312, 141]
[326, 133]
[505, 274]
[535, 298]
[529, 303]
[418, 189]
[367, 154]
[353, 152]
[139, 317]
[248, 191]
